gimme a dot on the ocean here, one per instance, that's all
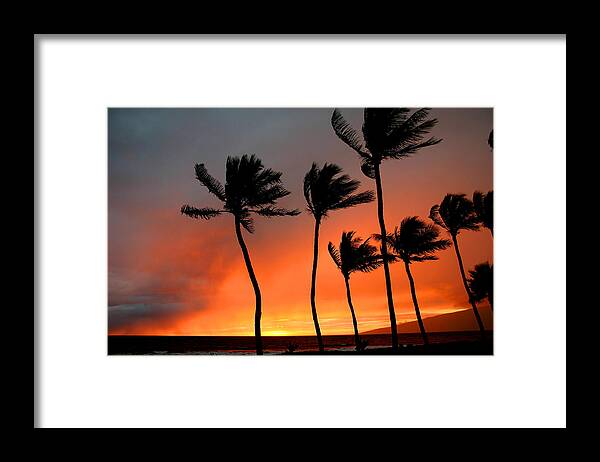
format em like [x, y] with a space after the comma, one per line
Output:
[205, 345]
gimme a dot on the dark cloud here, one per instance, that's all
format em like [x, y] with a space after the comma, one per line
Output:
[162, 266]
[131, 317]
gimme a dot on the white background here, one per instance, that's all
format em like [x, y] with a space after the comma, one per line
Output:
[523, 384]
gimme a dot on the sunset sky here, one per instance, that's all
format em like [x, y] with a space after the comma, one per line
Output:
[170, 274]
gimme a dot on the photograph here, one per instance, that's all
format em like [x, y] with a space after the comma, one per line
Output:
[288, 231]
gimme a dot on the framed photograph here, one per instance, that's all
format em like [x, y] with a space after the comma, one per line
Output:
[238, 231]
[297, 184]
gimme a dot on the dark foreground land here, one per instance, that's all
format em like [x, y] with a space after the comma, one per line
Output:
[441, 343]
[451, 348]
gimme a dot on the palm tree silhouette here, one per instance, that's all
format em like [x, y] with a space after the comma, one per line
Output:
[491, 140]
[388, 133]
[326, 190]
[484, 208]
[249, 188]
[455, 213]
[481, 282]
[415, 241]
[354, 255]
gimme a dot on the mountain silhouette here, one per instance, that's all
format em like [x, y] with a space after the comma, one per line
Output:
[457, 321]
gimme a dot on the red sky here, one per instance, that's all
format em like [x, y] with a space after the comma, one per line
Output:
[169, 274]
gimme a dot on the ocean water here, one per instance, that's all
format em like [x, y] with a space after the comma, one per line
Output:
[198, 345]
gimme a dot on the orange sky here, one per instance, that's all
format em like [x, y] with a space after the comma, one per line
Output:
[169, 274]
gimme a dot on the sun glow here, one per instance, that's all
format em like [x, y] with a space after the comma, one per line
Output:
[278, 333]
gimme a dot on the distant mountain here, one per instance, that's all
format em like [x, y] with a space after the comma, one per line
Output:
[456, 321]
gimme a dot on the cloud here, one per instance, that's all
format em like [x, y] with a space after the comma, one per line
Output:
[170, 270]
[142, 317]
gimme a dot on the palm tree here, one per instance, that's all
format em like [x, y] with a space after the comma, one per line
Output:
[415, 241]
[249, 188]
[481, 282]
[354, 255]
[326, 190]
[388, 133]
[455, 213]
[484, 208]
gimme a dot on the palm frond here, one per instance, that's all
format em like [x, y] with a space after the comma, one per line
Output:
[415, 240]
[357, 255]
[250, 187]
[455, 213]
[241, 181]
[478, 200]
[417, 118]
[388, 245]
[211, 183]
[205, 213]
[248, 224]
[407, 150]
[380, 122]
[335, 255]
[266, 195]
[370, 263]
[271, 211]
[434, 215]
[354, 200]
[267, 177]
[423, 258]
[390, 133]
[309, 181]
[481, 281]
[411, 133]
[337, 188]
[484, 208]
[346, 133]
[327, 188]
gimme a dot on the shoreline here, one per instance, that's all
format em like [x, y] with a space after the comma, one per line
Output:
[456, 343]
[435, 349]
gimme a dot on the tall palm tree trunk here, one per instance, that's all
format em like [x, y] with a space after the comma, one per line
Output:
[354, 323]
[464, 279]
[416, 303]
[384, 254]
[258, 312]
[313, 285]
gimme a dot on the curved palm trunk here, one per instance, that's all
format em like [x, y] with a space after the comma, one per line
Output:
[384, 254]
[416, 303]
[258, 312]
[313, 285]
[354, 323]
[464, 279]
